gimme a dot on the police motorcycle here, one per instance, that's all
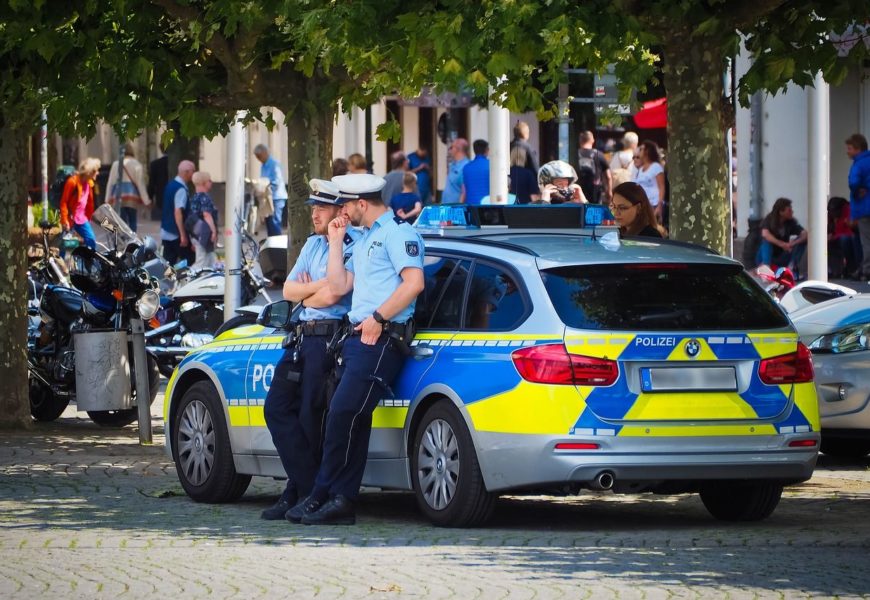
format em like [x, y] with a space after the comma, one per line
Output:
[81, 334]
[192, 312]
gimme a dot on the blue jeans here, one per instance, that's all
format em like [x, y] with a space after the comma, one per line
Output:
[785, 258]
[273, 223]
[129, 216]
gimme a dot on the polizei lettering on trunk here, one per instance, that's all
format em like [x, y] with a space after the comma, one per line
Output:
[655, 341]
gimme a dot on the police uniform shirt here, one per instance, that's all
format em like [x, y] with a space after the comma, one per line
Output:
[390, 246]
[312, 260]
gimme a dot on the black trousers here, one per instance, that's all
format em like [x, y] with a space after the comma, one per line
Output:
[295, 410]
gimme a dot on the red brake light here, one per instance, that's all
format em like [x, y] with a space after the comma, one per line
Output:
[552, 364]
[802, 444]
[577, 446]
[796, 367]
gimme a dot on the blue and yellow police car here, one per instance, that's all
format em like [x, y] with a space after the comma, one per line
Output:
[550, 355]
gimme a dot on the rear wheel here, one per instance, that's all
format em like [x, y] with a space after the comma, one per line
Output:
[120, 418]
[44, 404]
[741, 501]
[201, 448]
[447, 480]
[843, 448]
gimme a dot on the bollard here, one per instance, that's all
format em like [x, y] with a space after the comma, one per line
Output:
[143, 391]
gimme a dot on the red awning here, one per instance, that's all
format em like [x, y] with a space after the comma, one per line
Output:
[653, 115]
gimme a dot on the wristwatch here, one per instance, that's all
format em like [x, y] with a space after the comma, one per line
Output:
[379, 318]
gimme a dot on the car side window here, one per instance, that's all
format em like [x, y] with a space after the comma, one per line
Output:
[494, 300]
[439, 306]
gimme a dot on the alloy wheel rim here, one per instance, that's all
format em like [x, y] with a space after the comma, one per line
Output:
[438, 464]
[196, 443]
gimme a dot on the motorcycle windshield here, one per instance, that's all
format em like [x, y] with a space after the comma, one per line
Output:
[106, 217]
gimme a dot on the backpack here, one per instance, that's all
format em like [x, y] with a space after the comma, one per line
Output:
[622, 174]
[587, 174]
[55, 191]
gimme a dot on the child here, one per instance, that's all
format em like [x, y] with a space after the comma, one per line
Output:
[407, 205]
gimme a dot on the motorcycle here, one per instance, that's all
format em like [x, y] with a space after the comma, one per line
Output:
[193, 313]
[110, 289]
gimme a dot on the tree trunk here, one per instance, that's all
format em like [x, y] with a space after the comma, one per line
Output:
[14, 401]
[309, 156]
[697, 167]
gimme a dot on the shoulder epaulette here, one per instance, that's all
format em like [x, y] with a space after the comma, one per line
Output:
[399, 220]
[348, 239]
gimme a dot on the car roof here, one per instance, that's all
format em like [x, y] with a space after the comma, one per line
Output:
[553, 249]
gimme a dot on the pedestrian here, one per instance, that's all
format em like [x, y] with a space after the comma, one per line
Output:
[859, 194]
[458, 151]
[158, 177]
[622, 166]
[783, 240]
[475, 175]
[593, 172]
[340, 167]
[176, 244]
[77, 201]
[131, 192]
[557, 181]
[393, 179]
[295, 406]
[201, 222]
[271, 170]
[420, 163]
[633, 213]
[357, 164]
[408, 203]
[844, 248]
[521, 140]
[386, 275]
[651, 175]
[523, 181]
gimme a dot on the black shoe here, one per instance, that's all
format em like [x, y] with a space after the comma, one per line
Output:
[338, 511]
[305, 506]
[277, 510]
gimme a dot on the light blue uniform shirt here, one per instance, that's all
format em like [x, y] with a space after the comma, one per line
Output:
[271, 170]
[453, 188]
[384, 250]
[312, 260]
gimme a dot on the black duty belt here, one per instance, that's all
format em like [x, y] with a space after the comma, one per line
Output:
[321, 327]
[390, 328]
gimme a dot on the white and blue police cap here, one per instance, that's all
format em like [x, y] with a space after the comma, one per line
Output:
[323, 192]
[363, 186]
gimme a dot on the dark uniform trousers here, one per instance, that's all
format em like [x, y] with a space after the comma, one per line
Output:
[368, 371]
[294, 411]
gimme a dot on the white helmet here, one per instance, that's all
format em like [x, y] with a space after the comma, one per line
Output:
[556, 169]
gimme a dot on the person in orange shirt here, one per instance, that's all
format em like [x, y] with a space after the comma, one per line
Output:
[77, 201]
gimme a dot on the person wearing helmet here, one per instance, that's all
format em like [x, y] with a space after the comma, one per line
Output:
[558, 183]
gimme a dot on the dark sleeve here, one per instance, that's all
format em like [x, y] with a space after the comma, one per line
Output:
[794, 228]
[533, 182]
[765, 223]
[602, 162]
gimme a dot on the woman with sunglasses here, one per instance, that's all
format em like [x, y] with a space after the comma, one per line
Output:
[633, 212]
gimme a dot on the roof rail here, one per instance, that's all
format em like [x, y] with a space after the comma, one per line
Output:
[484, 241]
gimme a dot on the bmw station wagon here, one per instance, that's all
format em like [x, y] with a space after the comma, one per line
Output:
[548, 358]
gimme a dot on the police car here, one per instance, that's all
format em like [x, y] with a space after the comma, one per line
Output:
[549, 357]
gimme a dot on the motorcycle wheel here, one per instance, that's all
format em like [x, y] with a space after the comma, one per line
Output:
[237, 321]
[120, 418]
[44, 405]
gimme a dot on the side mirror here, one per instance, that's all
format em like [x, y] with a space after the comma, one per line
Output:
[276, 315]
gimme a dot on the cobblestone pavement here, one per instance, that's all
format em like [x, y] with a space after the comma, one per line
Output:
[85, 512]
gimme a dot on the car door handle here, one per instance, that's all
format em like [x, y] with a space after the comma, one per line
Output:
[421, 351]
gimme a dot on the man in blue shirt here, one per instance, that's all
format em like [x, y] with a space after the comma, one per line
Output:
[295, 403]
[420, 164]
[176, 244]
[271, 170]
[859, 193]
[459, 158]
[386, 275]
[475, 175]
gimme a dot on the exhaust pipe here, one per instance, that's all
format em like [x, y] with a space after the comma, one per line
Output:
[603, 481]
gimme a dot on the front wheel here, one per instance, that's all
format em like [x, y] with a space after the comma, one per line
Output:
[201, 448]
[741, 501]
[121, 418]
[44, 404]
[447, 480]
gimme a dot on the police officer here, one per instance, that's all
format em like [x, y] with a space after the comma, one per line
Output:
[295, 404]
[386, 275]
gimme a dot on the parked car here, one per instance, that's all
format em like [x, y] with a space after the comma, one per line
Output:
[546, 360]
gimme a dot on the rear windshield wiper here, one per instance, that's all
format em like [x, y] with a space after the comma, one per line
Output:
[680, 314]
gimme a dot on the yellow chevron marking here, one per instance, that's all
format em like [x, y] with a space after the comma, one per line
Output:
[389, 417]
[679, 352]
[689, 406]
[239, 416]
[696, 430]
[768, 345]
[529, 408]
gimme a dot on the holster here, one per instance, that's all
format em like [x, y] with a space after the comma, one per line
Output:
[402, 334]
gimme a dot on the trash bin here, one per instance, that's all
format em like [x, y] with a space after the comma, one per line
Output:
[102, 371]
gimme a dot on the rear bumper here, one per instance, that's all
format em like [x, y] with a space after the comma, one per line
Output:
[528, 461]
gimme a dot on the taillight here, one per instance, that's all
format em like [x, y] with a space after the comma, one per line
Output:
[552, 364]
[796, 367]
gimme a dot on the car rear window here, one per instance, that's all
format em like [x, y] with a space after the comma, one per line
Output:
[650, 297]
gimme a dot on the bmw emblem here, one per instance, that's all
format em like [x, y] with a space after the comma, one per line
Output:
[693, 348]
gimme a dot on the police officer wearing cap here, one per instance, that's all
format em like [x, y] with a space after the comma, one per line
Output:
[295, 404]
[386, 275]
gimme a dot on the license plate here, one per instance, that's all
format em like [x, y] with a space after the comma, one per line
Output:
[688, 379]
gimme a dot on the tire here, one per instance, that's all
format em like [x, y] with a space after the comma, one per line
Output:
[445, 473]
[121, 418]
[740, 501]
[201, 448]
[237, 321]
[44, 405]
[845, 448]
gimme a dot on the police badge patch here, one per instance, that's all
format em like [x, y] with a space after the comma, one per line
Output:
[412, 248]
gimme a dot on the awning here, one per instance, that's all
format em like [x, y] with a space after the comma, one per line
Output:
[653, 115]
